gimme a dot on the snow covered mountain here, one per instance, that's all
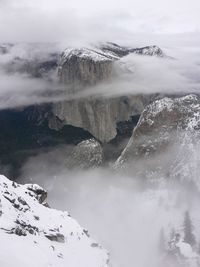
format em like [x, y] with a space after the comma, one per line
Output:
[166, 139]
[32, 234]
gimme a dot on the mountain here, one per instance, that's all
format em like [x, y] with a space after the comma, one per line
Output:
[166, 139]
[75, 117]
[79, 69]
[32, 234]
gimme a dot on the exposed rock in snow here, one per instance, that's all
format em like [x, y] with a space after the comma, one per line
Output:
[34, 235]
[88, 66]
[167, 125]
[121, 51]
[84, 67]
[115, 49]
[87, 154]
[148, 51]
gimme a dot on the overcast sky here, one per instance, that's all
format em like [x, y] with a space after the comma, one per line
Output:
[72, 21]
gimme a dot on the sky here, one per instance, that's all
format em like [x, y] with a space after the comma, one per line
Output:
[77, 20]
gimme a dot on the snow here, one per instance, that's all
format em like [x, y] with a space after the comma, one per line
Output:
[36, 235]
[160, 105]
[187, 104]
[185, 249]
[86, 53]
[152, 50]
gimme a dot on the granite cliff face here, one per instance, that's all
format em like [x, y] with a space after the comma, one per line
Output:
[99, 116]
[80, 68]
[169, 127]
[84, 67]
[29, 128]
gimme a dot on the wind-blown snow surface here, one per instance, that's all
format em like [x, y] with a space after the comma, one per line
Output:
[32, 234]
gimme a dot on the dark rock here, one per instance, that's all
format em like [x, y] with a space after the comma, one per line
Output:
[87, 154]
[148, 51]
[56, 237]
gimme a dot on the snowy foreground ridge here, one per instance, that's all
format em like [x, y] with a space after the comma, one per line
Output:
[33, 234]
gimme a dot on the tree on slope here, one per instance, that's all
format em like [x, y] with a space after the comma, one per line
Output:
[188, 230]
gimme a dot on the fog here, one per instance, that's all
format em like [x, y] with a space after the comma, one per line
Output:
[133, 74]
[82, 21]
[59, 24]
[123, 212]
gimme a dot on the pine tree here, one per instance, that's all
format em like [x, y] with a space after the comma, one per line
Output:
[172, 234]
[188, 230]
[198, 248]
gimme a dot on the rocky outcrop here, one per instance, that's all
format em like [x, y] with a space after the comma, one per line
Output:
[84, 67]
[148, 51]
[122, 51]
[168, 131]
[87, 154]
[99, 116]
[80, 68]
[114, 49]
[36, 235]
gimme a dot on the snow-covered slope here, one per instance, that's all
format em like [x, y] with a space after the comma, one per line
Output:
[32, 234]
[87, 53]
[166, 138]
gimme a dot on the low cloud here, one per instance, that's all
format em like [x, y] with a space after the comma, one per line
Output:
[134, 74]
[120, 211]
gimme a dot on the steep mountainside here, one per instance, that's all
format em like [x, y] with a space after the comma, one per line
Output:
[80, 68]
[167, 138]
[32, 234]
[99, 116]
[26, 130]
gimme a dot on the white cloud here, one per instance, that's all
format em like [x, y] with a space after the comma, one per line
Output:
[78, 21]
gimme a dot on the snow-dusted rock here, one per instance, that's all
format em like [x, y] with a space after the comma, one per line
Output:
[84, 67]
[87, 154]
[114, 49]
[148, 51]
[34, 235]
[79, 67]
[171, 126]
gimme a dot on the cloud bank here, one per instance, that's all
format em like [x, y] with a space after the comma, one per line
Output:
[80, 21]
